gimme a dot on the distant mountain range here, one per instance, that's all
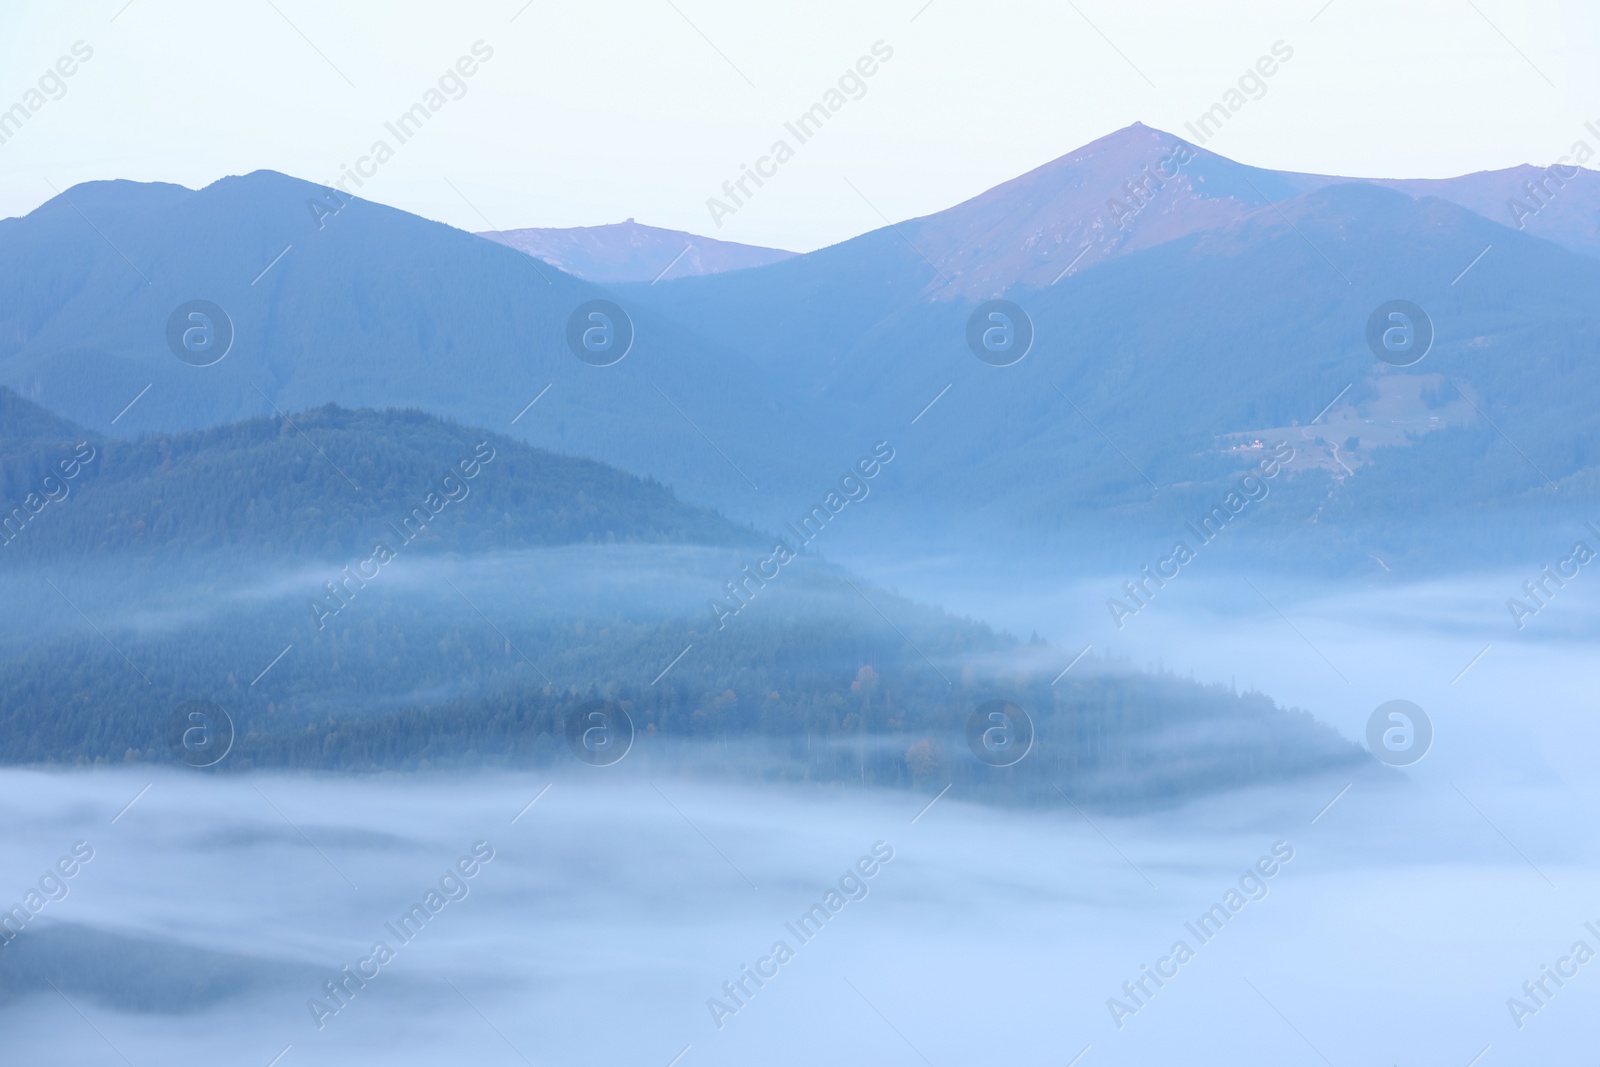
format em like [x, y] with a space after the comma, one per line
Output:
[1132, 189]
[1139, 188]
[1181, 304]
[1231, 301]
[630, 252]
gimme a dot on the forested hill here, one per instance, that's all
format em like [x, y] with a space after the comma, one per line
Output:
[23, 420]
[327, 482]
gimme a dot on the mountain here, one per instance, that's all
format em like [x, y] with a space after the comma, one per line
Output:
[209, 529]
[1213, 317]
[407, 675]
[488, 659]
[23, 421]
[198, 553]
[1133, 189]
[366, 306]
[807, 313]
[1140, 187]
[325, 484]
[1178, 312]
[630, 252]
[1561, 205]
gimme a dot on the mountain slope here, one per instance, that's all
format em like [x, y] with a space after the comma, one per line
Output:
[489, 660]
[630, 252]
[1559, 205]
[1133, 189]
[371, 307]
[1071, 214]
[328, 483]
[1230, 305]
[1144, 364]
[24, 421]
[1140, 187]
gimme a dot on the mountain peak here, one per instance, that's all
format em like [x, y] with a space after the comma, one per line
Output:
[1132, 188]
[630, 251]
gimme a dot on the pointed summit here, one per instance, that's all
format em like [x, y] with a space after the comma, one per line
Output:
[1133, 188]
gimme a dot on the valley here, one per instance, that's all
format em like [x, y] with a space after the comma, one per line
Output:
[436, 634]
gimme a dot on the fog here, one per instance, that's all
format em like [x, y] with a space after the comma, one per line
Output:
[1522, 710]
[620, 899]
[615, 906]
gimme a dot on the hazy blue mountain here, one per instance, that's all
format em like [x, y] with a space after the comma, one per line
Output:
[365, 590]
[1560, 204]
[485, 660]
[631, 252]
[1176, 353]
[324, 484]
[1220, 305]
[371, 307]
[22, 420]
[247, 502]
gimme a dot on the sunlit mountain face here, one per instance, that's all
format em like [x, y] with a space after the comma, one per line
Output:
[1136, 612]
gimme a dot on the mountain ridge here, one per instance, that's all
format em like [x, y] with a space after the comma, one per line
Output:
[272, 485]
[745, 389]
[367, 307]
[631, 252]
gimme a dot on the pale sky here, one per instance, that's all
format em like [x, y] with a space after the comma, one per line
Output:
[591, 112]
